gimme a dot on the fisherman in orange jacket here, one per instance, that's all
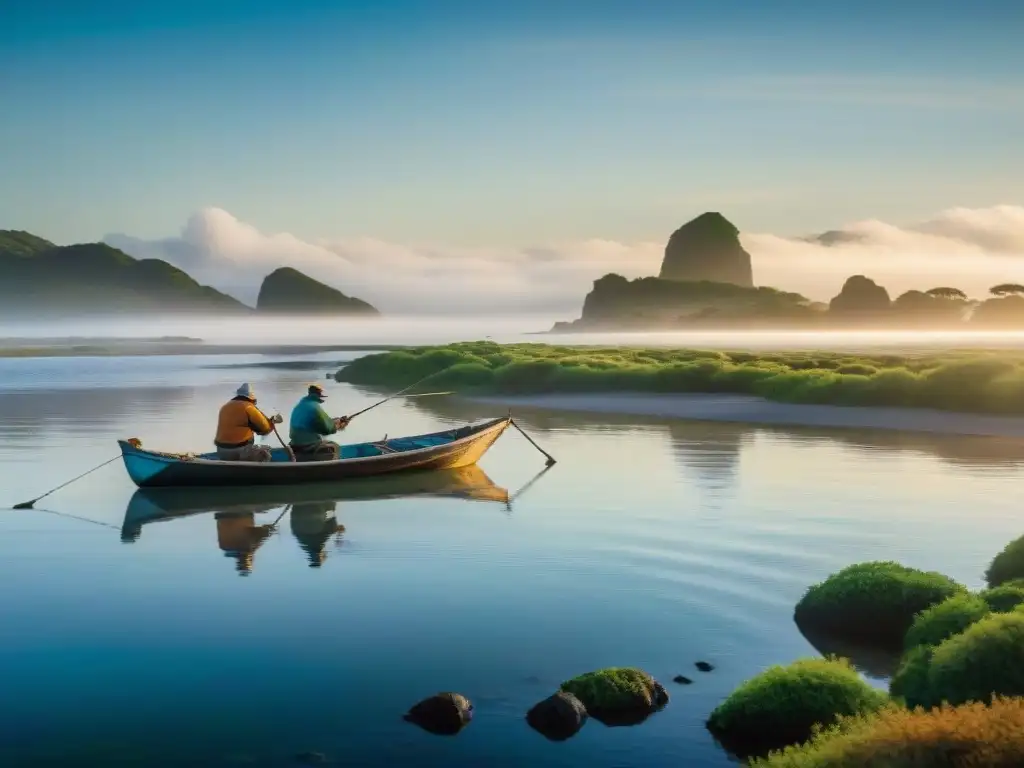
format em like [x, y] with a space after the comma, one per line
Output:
[237, 426]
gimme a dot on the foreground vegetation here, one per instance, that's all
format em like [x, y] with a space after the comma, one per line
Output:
[972, 735]
[977, 381]
[957, 697]
[784, 705]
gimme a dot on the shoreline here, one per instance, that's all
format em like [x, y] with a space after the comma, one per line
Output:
[749, 409]
[168, 349]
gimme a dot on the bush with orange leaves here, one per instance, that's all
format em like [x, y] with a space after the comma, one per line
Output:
[969, 736]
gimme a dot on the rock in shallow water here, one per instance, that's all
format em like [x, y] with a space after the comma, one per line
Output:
[618, 695]
[558, 717]
[444, 714]
[703, 666]
[682, 680]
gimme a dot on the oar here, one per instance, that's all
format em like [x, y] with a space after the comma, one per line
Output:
[273, 426]
[550, 458]
[28, 504]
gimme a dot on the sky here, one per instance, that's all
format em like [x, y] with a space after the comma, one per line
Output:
[455, 129]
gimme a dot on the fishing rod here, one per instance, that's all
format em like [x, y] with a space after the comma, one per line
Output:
[399, 394]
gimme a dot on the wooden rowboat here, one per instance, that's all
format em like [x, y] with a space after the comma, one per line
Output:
[448, 449]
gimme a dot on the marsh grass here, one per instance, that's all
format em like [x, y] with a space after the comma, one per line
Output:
[971, 736]
[974, 381]
[783, 705]
[874, 602]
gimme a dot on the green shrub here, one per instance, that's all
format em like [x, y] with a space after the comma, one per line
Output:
[873, 602]
[617, 695]
[945, 619]
[782, 705]
[910, 682]
[1003, 598]
[1007, 565]
[985, 659]
[971, 735]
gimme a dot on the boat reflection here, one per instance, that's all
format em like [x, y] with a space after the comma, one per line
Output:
[313, 520]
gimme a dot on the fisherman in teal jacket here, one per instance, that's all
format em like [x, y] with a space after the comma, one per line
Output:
[310, 424]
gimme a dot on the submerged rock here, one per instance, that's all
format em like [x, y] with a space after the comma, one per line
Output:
[618, 695]
[444, 714]
[558, 717]
[682, 680]
[703, 666]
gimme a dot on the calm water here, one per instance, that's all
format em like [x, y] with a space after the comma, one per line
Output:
[650, 543]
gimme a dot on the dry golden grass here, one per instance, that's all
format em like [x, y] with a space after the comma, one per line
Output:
[969, 736]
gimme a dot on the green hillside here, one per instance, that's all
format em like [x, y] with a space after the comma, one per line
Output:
[40, 278]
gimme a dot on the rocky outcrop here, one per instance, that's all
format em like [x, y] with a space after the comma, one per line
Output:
[707, 248]
[287, 290]
[860, 295]
[558, 717]
[618, 695]
[444, 714]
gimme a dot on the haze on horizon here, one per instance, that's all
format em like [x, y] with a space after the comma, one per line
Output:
[467, 158]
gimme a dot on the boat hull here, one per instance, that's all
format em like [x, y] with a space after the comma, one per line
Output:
[448, 449]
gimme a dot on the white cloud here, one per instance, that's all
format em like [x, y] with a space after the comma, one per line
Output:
[969, 248]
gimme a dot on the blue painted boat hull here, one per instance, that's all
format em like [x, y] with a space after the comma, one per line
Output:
[448, 449]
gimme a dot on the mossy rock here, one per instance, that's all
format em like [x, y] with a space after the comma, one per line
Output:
[984, 660]
[874, 602]
[967, 735]
[1003, 598]
[1008, 565]
[618, 695]
[558, 717]
[444, 714]
[948, 618]
[783, 705]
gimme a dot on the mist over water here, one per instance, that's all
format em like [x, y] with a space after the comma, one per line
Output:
[396, 329]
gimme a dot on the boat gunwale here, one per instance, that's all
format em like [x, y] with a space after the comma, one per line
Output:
[484, 427]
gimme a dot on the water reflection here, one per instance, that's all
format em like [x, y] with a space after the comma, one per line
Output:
[313, 518]
[714, 449]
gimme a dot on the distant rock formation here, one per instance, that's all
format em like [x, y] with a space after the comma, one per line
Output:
[860, 295]
[40, 278]
[707, 248]
[287, 290]
[651, 302]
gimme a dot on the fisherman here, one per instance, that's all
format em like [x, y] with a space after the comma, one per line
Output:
[237, 426]
[310, 424]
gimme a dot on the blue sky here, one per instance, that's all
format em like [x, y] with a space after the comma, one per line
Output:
[470, 123]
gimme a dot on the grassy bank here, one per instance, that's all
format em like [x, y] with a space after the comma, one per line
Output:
[970, 381]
